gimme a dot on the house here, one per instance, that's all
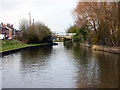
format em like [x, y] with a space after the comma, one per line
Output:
[11, 30]
[8, 31]
[4, 31]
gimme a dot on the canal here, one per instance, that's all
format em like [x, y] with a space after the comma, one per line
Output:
[60, 67]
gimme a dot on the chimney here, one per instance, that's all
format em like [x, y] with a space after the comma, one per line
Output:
[1, 24]
[30, 19]
[11, 26]
[33, 21]
[8, 25]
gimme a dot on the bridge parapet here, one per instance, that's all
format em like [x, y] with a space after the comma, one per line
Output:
[65, 35]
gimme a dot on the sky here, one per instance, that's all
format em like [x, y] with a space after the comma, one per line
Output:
[56, 14]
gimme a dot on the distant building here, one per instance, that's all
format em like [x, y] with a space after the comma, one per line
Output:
[4, 31]
[8, 31]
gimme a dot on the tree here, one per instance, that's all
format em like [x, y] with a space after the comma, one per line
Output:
[102, 17]
[35, 33]
[72, 29]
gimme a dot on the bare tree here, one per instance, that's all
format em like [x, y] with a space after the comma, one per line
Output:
[102, 17]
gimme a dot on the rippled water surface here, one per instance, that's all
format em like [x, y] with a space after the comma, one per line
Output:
[60, 67]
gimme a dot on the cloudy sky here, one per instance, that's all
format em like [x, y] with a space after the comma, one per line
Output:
[56, 14]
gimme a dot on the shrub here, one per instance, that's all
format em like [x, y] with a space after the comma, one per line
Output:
[19, 38]
[35, 33]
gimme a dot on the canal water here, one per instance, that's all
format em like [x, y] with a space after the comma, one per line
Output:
[60, 67]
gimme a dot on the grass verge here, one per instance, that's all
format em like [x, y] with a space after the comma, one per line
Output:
[9, 44]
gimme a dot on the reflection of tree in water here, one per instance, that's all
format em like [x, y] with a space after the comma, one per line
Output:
[87, 73]
[95, 69]
[82, 54]
[108, 64]
[35, 58]
[119, 71]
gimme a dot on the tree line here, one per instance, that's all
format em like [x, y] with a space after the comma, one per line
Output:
[97, 22]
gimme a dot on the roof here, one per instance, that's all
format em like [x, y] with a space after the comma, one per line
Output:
[7, 28]
[10, 28]
[3, 27]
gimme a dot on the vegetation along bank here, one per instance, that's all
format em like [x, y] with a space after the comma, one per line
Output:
[97, 25]
[35, 34]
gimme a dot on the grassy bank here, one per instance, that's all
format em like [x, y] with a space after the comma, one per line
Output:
[9, 44]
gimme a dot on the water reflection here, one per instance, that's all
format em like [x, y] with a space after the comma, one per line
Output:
[35, 58]
[60, 67]
[108, 64]
[96, 69]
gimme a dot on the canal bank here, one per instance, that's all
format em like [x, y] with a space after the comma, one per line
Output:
[14, 45]
[21, 48]
[114, 50]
